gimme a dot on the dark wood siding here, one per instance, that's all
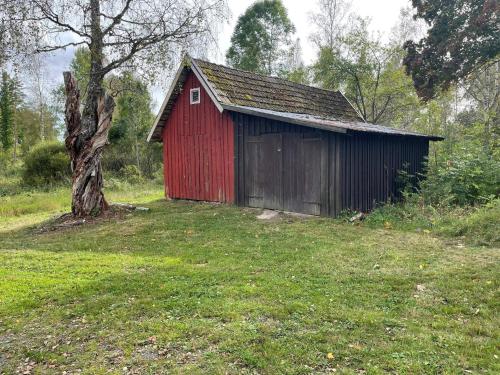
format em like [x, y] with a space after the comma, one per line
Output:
[315, 171]
[281, 166]
[370, 166]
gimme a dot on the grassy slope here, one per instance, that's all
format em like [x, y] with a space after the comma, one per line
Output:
[198, 288]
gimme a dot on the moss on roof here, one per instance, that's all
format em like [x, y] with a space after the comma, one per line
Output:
[238, 87]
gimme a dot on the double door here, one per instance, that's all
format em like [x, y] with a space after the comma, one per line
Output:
[286, 171]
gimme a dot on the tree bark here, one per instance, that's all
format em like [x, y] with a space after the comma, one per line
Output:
[84, 143]
[88, 131]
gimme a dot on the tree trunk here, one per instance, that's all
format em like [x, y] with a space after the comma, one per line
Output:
[84, 143]
[88, 131]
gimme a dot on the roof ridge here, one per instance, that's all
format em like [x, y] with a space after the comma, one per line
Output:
[268, 76]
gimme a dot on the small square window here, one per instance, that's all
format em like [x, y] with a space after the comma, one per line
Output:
[194, 96]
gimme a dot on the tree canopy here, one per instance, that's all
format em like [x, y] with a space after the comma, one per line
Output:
[261, 41]
[462, 36]
[368, 72]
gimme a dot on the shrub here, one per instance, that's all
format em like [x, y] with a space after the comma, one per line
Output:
[131, 174]
[465, 178]
[46, 164]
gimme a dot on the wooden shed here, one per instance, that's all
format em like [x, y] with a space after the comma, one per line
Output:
[238, 137]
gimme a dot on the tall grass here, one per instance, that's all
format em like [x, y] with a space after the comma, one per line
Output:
[478, 225]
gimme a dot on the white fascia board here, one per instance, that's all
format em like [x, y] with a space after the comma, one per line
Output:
[206, 85]
[167, 98]
[353, 107]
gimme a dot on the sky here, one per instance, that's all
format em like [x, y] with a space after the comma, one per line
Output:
[383, 14]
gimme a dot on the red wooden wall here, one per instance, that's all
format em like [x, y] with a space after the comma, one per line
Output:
[198, 149]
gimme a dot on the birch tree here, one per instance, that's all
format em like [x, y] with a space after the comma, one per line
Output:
[330, 22]
[141, 35]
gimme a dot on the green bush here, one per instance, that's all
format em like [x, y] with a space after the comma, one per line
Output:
[47, 164]
[465, 178]
[131, 174]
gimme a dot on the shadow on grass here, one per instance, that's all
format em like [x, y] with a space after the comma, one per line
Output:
[199, 272]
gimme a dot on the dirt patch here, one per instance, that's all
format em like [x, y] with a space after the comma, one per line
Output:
[268, 215]
[67, 220]
[273, 215]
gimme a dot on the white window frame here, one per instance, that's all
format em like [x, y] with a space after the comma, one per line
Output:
[191, 96]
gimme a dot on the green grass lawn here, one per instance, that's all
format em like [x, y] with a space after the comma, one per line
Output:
[199, 288]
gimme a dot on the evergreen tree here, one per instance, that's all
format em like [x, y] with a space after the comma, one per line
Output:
[10, 97]
[262, 38]
[6, 113]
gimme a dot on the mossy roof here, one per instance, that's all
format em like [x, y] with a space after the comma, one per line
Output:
[259, 95]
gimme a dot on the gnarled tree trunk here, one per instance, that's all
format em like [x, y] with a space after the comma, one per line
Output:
[87, 135]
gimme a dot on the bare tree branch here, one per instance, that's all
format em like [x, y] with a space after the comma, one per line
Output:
[117, 19]
[53, 17]
[54, 48]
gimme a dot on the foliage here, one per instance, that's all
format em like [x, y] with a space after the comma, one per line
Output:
[28, 122]
[464, 178]
[300, 75]
[47, 164]
[80, 66]
[128, 37]
[131, 121]
[6, 113]
[368, 72]
[294, 68]
[479, 226]
[482, 91]
[10, 97]
[459, 197]
[118, 34]
[261, 40]
[463, 35]
[131, 124]
[331, 22]
[10, 180]
[131, 174]
[21, 120]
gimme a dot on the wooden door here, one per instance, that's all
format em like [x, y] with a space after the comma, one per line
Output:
[254, 185]
[264, 171]
[287, 171]
[311, 188]
[304, 173]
